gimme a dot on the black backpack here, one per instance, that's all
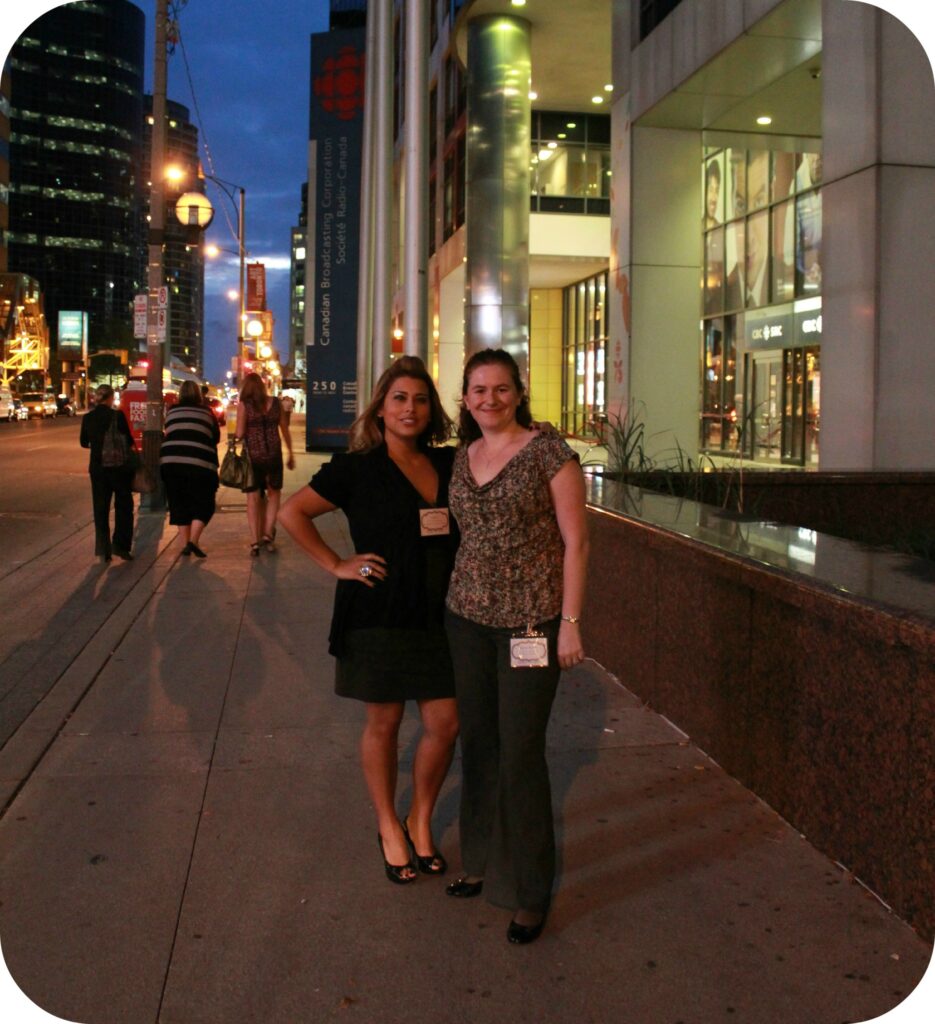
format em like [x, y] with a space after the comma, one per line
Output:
[115, 451]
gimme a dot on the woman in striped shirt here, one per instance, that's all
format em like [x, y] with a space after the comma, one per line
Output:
[189, 465]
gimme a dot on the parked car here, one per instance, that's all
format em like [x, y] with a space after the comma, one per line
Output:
[64, 406]
[6, 404]
[217, 407]
[39, 404]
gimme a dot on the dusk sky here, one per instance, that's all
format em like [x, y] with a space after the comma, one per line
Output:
[249, 63]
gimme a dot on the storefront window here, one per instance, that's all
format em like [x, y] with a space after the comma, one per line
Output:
[761, 226]
[584, 356]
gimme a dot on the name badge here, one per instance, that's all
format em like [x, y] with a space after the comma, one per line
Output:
[433, 522]
[529, 650]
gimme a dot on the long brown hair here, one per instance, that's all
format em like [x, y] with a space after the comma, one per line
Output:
[366, 431]
[468, 430]
[253, 392]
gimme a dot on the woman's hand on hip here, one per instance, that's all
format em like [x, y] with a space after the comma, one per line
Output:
[366, 569]
[570, 649]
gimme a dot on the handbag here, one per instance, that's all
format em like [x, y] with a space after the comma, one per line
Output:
[142, 482]
[236, 468]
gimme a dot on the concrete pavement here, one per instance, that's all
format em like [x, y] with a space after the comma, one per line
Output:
[187, 838]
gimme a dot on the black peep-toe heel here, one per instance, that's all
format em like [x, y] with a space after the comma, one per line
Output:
[433, 864]
[394, 872]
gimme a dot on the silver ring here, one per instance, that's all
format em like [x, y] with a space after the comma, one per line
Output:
[365, 570]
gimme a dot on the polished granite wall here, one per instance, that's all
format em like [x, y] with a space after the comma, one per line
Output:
[802, 663]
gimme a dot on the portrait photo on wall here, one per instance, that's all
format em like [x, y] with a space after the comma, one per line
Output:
[783, 245]
[714, 191]
[757, 179]
[735, 291]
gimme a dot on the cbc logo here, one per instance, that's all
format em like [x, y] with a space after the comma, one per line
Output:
[812, 326]
[766, 332]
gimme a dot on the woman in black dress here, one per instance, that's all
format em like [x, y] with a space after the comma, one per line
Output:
[188, 463]
[387, 632]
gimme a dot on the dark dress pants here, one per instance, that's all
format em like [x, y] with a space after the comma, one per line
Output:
[107, 484]
[507, 833]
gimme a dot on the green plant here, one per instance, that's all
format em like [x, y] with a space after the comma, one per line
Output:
[624, 438]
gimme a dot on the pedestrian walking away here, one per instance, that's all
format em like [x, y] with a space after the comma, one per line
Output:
[106, 433]
[387, 631]
[188, 464]
[263, 427]
[514, 605]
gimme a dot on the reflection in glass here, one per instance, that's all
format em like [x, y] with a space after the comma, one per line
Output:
[714, 271]
[711, 412]
[734, 252]
[781, 184]
[808, 249]
[757, 288]
[737, 183]
[783, 251]
[757, 179]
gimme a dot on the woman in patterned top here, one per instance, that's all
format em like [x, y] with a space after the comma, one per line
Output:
[188, 465]
[387, 631]
[260, 422]
[518, 496]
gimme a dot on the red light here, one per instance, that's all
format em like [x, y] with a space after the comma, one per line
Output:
[144, 364]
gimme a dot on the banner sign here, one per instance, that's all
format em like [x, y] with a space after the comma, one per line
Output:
[256, 286]
[335, 143]
[72, 333]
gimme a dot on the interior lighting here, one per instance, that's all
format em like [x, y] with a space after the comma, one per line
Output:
[562, 135]
[518, 3]
[609, 87]
[553, 145]
[764, 120]
[544, 154]
[533, 95]
[597, 99]
[571, 124]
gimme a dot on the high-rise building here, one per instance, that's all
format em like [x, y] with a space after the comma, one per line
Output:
[182, 257]
[4, 163]
[296, 357]
[348, 14]
[75, 149]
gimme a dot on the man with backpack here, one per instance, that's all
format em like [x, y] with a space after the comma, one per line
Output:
[107, 434]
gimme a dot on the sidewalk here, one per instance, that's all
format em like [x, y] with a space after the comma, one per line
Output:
[188, 838]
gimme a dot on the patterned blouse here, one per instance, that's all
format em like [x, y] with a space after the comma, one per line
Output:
[508, 570]
[262, 434]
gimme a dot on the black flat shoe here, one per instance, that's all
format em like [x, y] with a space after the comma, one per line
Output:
[196, 551]
[187, 550]
[522, 934]
[125, 555]
[394, 872]
[433, 864]
[463, 889]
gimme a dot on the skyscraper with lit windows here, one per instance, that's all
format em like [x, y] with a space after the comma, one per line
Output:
[75, 149]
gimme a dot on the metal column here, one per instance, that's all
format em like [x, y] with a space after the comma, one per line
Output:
[383, 187]
[365, 260]
[498, 182]
[415, 238]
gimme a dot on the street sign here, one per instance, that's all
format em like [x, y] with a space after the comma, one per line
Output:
[162, 317]
[162, 298]
[140, 302]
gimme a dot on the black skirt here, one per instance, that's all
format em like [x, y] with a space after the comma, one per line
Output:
[383, 665]
[190, 493]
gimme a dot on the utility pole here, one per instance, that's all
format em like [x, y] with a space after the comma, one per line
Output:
[155, 337]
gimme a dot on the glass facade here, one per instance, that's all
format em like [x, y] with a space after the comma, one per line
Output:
[760, 304]
[584, 355]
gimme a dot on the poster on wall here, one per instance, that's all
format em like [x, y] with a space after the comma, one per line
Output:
[335, 143]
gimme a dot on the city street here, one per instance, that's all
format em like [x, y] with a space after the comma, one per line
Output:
[184, 808]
